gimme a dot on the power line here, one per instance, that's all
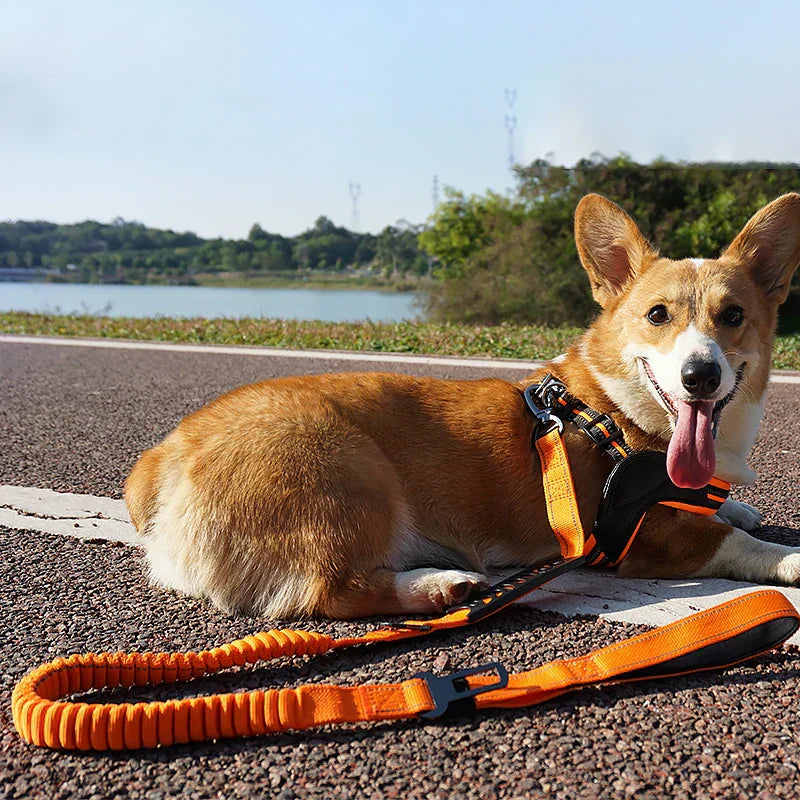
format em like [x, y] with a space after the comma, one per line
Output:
[511, 124]
[355, 193]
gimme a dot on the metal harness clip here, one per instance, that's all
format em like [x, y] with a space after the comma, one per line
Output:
[544, 415]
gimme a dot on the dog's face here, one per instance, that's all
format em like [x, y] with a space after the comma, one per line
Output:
[685, 341]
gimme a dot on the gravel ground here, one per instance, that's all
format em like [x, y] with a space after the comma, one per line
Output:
[76, 421]
[701, 736]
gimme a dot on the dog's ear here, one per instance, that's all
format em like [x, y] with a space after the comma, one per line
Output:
[610, 245]
[769, 246]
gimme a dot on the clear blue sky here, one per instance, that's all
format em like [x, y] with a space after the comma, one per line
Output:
[209, 116]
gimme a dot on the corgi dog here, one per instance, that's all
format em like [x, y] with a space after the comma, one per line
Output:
[360, 494]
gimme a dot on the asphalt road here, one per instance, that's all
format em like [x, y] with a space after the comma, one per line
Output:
[75, 419]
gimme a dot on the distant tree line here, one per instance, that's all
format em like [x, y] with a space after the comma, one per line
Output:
[129, 252]
[493, 257]
[513, 258]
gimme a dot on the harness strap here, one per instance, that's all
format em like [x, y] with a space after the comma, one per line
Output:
[719, 637]
[636, 484]
[559, 491]
[600, 428]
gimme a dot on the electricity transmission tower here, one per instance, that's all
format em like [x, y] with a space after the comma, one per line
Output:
[435, 193]
[355, 193]
[511, 124]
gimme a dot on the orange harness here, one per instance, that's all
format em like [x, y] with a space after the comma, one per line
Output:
[638, 480]
[718, 637]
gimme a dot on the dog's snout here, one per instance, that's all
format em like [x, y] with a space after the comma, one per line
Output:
[701, 378]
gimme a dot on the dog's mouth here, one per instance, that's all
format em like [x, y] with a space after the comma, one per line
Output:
[691, 458]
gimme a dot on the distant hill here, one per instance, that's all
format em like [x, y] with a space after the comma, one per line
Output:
[128, 251]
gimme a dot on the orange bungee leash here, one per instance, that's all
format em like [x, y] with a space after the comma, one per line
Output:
[719, 637]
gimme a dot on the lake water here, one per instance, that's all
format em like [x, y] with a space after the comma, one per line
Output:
[333, 305]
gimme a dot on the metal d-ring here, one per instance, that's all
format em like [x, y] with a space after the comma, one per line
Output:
[545, 419]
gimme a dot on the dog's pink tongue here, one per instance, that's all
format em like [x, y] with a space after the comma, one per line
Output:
[691, 459]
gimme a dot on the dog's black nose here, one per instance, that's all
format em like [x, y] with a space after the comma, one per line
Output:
[701, 378]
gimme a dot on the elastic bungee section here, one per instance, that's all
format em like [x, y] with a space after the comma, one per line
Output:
[43, 719]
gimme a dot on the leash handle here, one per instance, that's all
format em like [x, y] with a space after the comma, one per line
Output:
[716, 638]
[721, 636]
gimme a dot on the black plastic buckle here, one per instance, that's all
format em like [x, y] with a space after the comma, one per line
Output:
[597, 435]
[448, 689]
[544, 415]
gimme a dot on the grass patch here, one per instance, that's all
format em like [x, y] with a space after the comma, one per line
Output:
[499, 341]
[787, 351]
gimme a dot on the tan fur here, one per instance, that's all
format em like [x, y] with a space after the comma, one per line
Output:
[141, 493]
[331, 495]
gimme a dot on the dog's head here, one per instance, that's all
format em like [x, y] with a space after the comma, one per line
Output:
[679, 340]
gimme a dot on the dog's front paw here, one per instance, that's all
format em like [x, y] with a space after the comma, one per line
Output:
[787, 571]
[740, 515]
[435, 590]
[742, 557]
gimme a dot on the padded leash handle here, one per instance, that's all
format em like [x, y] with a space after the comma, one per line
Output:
[721, 636]
[716, 638]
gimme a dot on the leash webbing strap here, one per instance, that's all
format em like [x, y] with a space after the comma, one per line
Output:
[721, 636]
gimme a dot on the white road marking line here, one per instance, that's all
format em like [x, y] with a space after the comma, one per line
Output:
[785, 376]
[322, 355]
[602, 594]
[82, 516]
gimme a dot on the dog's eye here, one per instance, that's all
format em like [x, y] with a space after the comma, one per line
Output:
[733, 316]
[658, 315]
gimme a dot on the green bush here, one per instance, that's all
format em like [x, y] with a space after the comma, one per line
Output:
[514, 259]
